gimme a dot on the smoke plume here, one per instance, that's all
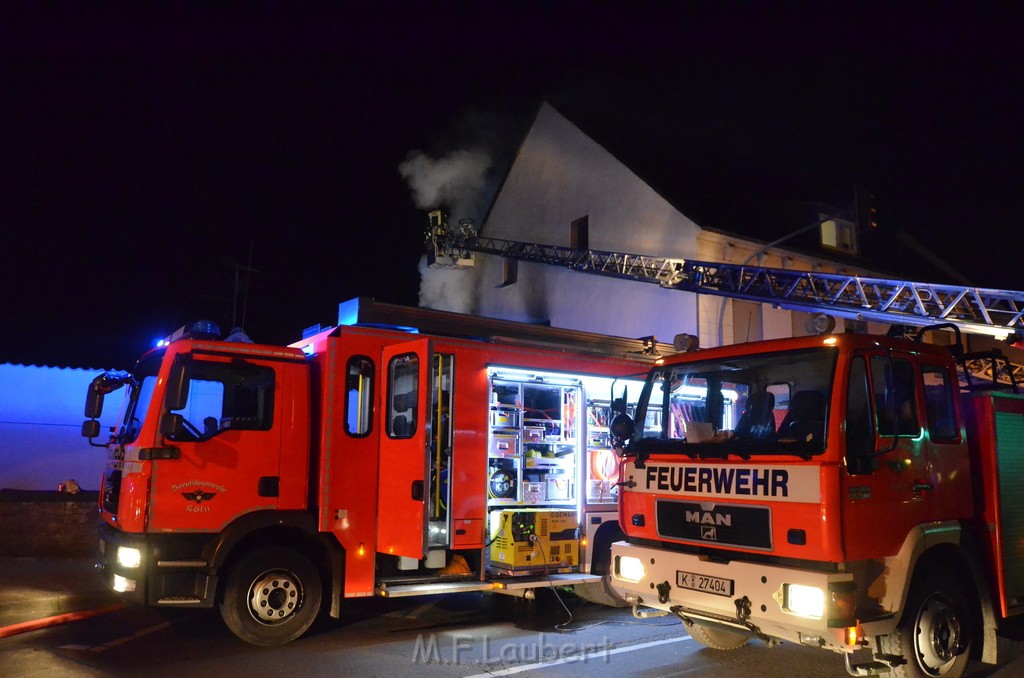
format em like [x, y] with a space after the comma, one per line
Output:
[463, 182]
[456, 182]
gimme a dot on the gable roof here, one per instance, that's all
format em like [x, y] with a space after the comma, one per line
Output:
[712, 204]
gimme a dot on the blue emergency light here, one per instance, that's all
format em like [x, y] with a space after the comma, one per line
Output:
[200, 329]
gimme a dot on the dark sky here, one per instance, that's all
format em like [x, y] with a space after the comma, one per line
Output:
[148, 150]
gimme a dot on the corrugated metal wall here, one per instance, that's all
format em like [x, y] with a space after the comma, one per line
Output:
[41, 415]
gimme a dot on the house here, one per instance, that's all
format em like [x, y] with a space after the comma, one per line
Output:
[564, 188]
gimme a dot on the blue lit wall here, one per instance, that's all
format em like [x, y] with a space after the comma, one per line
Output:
[41, 415]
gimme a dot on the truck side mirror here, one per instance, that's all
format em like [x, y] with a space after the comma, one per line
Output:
[177, 387]
[93, 403]
[622, 429]
[90, 428]
[172, 425]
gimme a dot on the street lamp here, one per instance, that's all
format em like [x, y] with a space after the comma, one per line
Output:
[764, 250]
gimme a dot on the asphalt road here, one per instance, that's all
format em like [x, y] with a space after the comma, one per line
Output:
[456, 635]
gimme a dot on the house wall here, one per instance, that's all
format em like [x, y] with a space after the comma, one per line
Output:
[718, 328]
[560, 175]
[41, 415]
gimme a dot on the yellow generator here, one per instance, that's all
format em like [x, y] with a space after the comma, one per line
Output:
[534, 539]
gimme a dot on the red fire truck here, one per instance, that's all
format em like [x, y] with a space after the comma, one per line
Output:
[838, 491]
[449, 453]
[848, 492]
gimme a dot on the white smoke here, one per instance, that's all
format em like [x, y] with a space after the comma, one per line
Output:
[458, 182]
[447, 289]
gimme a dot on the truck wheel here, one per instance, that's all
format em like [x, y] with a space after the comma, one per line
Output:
[715, 638]
[272, 596]
[600, 592]
[934, 634]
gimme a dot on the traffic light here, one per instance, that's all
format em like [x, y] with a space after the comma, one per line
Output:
[867, 213]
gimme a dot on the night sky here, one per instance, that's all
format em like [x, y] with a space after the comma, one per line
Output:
[151, 153]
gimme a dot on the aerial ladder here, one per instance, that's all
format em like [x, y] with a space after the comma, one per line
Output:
[899, 303]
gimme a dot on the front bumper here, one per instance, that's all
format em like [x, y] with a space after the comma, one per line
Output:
[749, 597]
[171, 572]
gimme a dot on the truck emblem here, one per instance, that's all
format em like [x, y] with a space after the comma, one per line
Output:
[709, 518]
[709, 533]
[198, 496]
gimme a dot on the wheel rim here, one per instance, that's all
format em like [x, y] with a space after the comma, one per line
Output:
[274, 597]
[939, 638]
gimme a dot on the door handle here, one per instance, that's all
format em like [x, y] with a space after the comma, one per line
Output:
[417, 490]
[922, 486]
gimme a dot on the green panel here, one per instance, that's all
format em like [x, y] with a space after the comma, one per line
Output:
[1010, 448]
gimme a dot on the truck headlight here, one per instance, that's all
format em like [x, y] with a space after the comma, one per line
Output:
[123, 585]
[805, 601]
[128, 557]
[629, 568]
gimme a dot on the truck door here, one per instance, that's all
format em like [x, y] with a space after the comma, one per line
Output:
[402, 499]
[223, 456]
[887, 466]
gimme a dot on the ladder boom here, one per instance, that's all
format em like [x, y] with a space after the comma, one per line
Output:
[974, 309]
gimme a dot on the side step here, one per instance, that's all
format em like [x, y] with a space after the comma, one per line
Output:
[540, 581]
[400, 590]
[395, 590]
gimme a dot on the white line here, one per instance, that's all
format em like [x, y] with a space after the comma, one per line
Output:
[578, 658]
[120, 641]
[412, 614]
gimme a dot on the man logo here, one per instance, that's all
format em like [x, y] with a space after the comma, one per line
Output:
[709, 518]
[709, 533]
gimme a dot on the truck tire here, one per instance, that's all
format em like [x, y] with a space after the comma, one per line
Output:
[272, 596]
[715, 638]
[600, 592]
[934, 634]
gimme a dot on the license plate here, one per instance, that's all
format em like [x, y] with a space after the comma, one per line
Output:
[702, 582]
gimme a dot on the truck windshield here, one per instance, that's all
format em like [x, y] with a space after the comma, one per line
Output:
[773, 403]
[140, 393]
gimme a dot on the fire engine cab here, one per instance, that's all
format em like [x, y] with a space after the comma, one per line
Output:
[401, 452]
[838, 491]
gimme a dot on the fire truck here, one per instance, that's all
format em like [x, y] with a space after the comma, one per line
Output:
[850, 492]
[400, 452]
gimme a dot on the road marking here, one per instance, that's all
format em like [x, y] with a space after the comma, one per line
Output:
[578, 658]
[419, 610]
[119, 641]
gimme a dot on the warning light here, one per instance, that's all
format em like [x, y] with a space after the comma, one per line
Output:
[200, 329]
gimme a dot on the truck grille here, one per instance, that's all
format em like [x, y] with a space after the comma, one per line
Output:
[111, 490]
[722, 524]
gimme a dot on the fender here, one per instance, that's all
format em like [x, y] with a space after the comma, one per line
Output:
[939, 539]
[219, 550]
[302, 524]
